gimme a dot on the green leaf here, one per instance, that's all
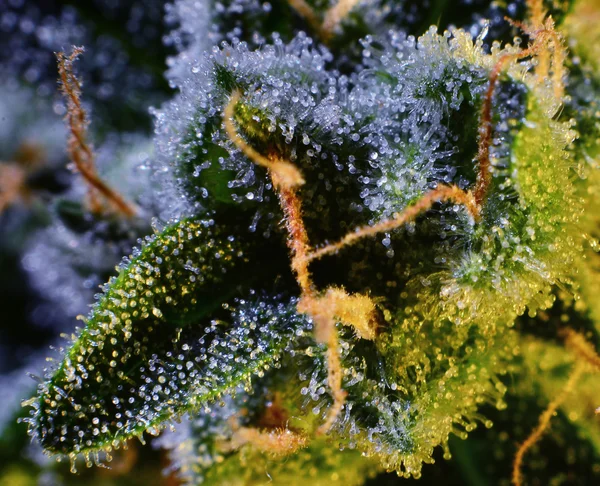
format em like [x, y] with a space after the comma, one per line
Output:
[149, 350]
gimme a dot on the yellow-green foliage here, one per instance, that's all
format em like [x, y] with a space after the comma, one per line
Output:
[320, 464]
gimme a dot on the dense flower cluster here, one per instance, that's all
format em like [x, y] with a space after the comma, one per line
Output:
[349, 222]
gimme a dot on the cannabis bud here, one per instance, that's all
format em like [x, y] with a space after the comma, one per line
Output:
[346, 217]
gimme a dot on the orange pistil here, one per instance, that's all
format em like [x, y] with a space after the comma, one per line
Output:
[544, 422]
[284, 174]
[80, 151]
[549, 51]
[582, 348]
[298, 238]
[332, 19]
[587, 358]
[277, 442]
[357, 311]
[441, 194]
[334, 16]
[309, 14]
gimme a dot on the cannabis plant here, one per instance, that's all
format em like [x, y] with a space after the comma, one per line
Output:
[346, 218]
